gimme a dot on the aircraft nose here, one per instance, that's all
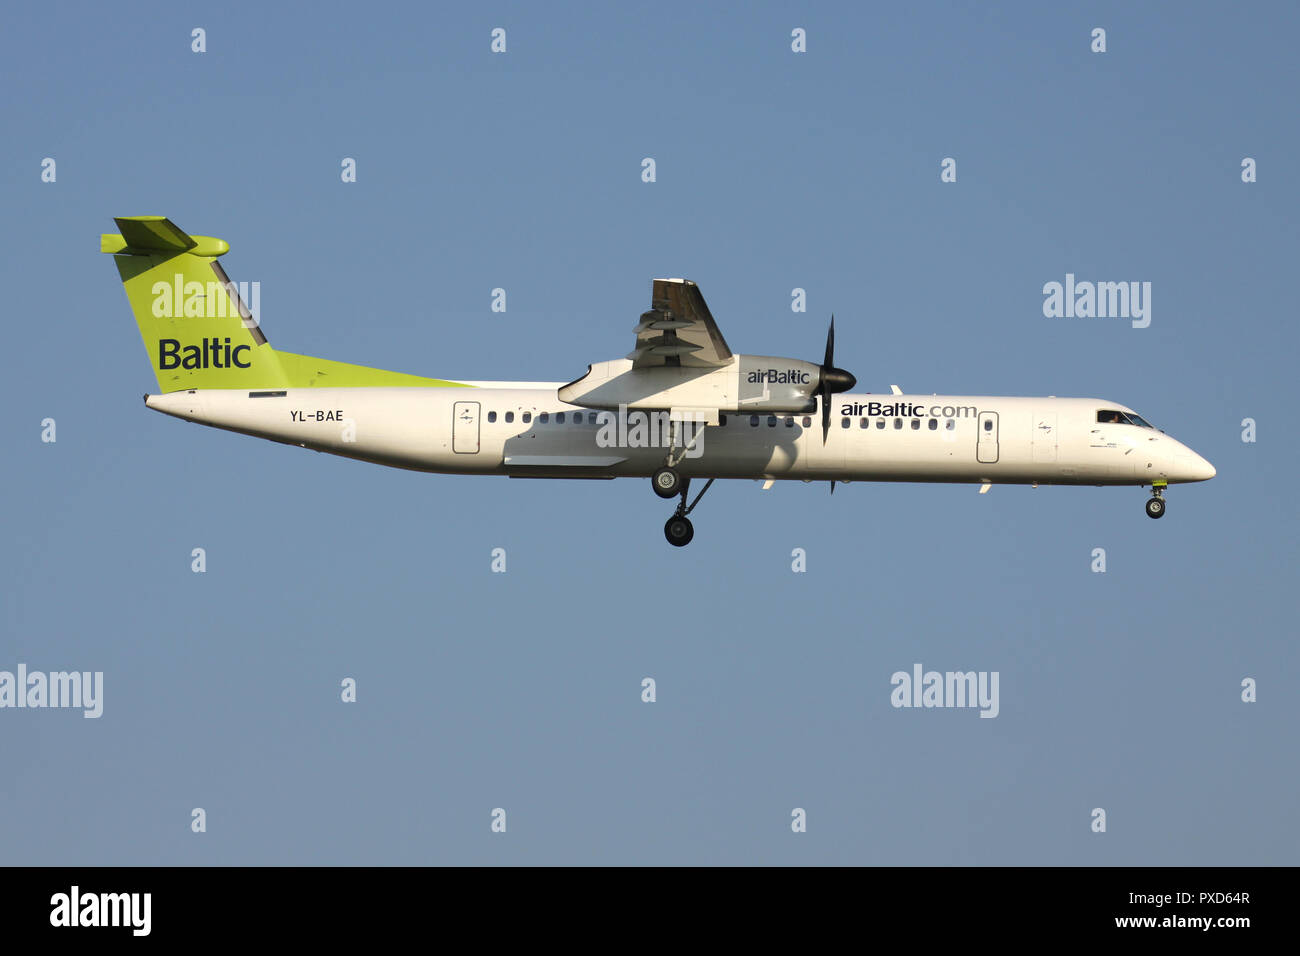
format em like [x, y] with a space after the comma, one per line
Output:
[1194, 467]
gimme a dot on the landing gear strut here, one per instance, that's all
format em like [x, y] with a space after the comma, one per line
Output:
[1156, 503]
[667, 481]
[678, 530]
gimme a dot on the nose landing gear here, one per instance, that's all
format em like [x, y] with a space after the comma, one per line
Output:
[1156, 503]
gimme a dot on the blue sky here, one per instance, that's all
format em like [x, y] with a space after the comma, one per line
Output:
[775, 170]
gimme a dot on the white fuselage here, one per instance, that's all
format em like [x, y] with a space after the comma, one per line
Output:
[513, 429]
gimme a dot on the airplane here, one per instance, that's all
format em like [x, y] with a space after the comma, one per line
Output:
[680, 406]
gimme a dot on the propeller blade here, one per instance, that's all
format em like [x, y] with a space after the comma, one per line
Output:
[822, 386]
[831, 380]
[832, 486]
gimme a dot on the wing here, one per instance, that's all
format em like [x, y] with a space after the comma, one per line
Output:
[678, 330]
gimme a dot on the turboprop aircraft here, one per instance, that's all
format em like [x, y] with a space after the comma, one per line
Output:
[680, 406]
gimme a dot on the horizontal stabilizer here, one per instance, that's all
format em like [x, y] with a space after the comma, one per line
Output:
[158, 235]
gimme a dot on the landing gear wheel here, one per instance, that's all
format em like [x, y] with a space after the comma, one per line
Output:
[679, 531]
[667, 483]
[1155, 507]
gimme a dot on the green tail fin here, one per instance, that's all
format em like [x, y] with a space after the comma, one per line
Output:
[197, 330]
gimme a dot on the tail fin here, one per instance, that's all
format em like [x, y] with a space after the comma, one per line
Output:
[198, 332]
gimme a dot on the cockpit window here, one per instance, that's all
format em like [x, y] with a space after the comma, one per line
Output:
[1109, 416]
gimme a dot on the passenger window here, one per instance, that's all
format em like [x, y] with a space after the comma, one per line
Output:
[559, 418]
[898, 423]
[934, 424]
[880, 423]
[527, 417]
[753, 421]
[510, 417]
[789, 421]
[845, 422]
[771, 421]
[492, 416]
[916, 424]
[807, 422]
[988, 424]
[577, 418]
[866, 423]
[950, 424]
[543, 418]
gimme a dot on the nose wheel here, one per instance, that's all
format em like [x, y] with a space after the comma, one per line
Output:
[678, 530]
[1156, 503]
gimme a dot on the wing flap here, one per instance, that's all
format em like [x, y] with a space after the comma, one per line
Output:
[678, 330]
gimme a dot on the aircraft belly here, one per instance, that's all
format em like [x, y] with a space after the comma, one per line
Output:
[395, 428]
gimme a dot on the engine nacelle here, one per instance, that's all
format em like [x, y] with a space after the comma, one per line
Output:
[748, 383]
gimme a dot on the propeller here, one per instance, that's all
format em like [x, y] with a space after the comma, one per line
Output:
[830, 381]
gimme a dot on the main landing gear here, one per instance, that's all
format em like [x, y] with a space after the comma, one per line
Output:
[669, 483]
[678, 529]
[1156, 503]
